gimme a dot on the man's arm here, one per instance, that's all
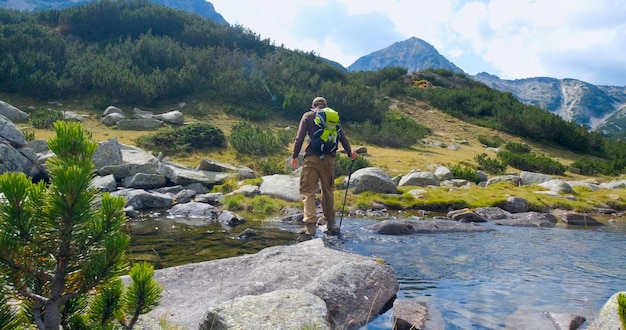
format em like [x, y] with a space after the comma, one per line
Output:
[302, 131]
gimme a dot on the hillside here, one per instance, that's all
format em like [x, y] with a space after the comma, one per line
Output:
[445, 128]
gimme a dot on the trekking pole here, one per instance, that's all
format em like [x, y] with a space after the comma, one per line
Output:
[346, 194]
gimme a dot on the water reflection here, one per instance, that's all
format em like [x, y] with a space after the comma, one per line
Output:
[501, 279]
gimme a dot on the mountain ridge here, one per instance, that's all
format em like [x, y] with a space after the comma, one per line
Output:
[414, 54]
[595, 106]
[200, 7]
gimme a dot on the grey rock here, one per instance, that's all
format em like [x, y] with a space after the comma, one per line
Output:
[579, 219]
[12, 113]
[144, 181]
[195, 210]
[9, 132]
[111, 109]
[454, 183]
[409, 314]
[142, 113]
[419, 178]
[214, 199]
[443, 173]
[105, 183]
[247, 190]
[107, 153]
[38, 146]
[139, 124]
[280, 309]
[588, 185]
[112, 119]
[125, 170]
[370, 179]
[514, 179]
[355, 288]
[185, 175]
[566, 321]
[528, 219]
[135, 155]
[558, 186]
[230, 219]
[615, 184]
[72, 116]
[185, 196]
[532, 178]
[140, 199]
[409, 227]
[607, 318]
[173, 117]
[516, 204]
[214, 166]
[465, 215]
[285, 187]
[13, 160]
[247, 234]
[492, 213]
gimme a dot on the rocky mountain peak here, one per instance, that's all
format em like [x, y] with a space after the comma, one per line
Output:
[414, 54]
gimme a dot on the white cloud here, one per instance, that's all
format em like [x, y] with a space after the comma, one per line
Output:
[581, 39]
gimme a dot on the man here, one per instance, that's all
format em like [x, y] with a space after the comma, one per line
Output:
[317, 170]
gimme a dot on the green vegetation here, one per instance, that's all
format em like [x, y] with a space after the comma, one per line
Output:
[394, 131]
[530, 162]
[460, 171]
[195, 136]
[58, 246]
[493, 166]
[344, 164]
[621, 309]
[490, 141]
[250, 139]
[135, 52]
[44, 118]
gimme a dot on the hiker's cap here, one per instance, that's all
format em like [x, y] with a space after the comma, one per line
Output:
[319, 101]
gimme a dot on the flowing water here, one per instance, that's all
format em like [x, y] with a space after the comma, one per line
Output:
[502, 279]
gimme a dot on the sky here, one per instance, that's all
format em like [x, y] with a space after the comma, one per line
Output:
[512, 39]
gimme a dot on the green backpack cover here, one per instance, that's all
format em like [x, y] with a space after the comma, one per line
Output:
[324, 140]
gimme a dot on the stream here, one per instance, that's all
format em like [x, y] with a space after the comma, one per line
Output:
[501, 279]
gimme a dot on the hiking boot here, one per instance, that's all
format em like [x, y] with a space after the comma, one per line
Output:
[331, 230]
[304, 237]
[306, 233]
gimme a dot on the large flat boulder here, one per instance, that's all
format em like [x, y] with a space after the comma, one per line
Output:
[355, 288]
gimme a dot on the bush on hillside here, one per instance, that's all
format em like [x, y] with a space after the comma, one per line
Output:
[532, 162]
[517, 147]
[196, 136]
[343, 163]
[460, 171]
[395, 131]
[43, 118]
[493, 166]
[250, 139]
[490, 141]
[587, 166]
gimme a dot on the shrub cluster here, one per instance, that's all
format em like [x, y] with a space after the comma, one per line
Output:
[460, 171]
[516, 147]
[394, 131]
[43, 118]
[490, 141]
[532, 162]
[195, 136]
[494, 166]
[343, 163]
[250, 139]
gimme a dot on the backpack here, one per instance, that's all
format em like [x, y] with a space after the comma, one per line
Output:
[324, 140]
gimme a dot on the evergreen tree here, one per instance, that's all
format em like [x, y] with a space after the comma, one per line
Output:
[57, 243]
